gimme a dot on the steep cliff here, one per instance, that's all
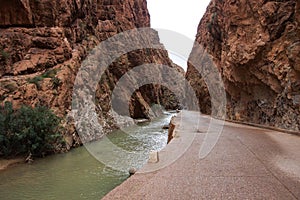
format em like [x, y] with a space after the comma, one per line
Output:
[42, 46]
[255, 44]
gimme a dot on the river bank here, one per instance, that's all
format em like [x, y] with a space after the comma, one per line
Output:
[78, 174]
[7, 163]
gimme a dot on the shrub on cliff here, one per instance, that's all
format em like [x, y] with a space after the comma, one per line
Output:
[28, 131]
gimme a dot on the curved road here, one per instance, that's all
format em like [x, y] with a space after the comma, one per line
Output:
[246, 163]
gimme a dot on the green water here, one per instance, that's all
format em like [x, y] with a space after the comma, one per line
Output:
[78, 174]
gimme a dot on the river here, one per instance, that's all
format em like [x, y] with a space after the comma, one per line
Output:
[77, 174]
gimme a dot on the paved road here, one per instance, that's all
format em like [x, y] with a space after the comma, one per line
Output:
[246, 163]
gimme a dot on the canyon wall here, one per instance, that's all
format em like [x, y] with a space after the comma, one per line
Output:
[255, 45]
[43, 44]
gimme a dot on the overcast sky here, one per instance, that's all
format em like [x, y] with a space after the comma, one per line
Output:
[182, 16]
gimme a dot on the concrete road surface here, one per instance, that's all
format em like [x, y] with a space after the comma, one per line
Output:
[245, 163]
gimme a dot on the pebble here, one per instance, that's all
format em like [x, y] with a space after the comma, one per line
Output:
[132, 171]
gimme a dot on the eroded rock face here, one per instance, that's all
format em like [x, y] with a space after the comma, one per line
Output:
[255, 46]
[42, 46]
[15, 12]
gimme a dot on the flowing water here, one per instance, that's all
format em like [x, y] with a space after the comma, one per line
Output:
[77, 174]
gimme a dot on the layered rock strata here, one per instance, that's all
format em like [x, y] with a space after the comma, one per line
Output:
[43, 44]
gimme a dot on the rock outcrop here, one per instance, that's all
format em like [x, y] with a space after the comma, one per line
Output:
[42, 46]
[255, 44]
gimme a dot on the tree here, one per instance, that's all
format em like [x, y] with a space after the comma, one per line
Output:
[28, 130]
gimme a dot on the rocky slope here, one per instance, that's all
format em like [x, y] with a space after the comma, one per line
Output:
[42, 46]
[255, 44]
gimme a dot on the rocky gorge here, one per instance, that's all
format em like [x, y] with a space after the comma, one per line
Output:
[43, 44]
[255, 46]
[244, 67]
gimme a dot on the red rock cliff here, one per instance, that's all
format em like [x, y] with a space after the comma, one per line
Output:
[255, 45]
[43, 43]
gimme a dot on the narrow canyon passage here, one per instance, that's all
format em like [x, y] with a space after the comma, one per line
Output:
[73, 57]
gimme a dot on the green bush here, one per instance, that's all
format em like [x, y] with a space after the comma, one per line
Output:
[28, 130]
[48, 74]
[36, 80]
[4, 54]
[56, 82]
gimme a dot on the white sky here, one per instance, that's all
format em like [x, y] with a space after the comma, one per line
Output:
[181, 16]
